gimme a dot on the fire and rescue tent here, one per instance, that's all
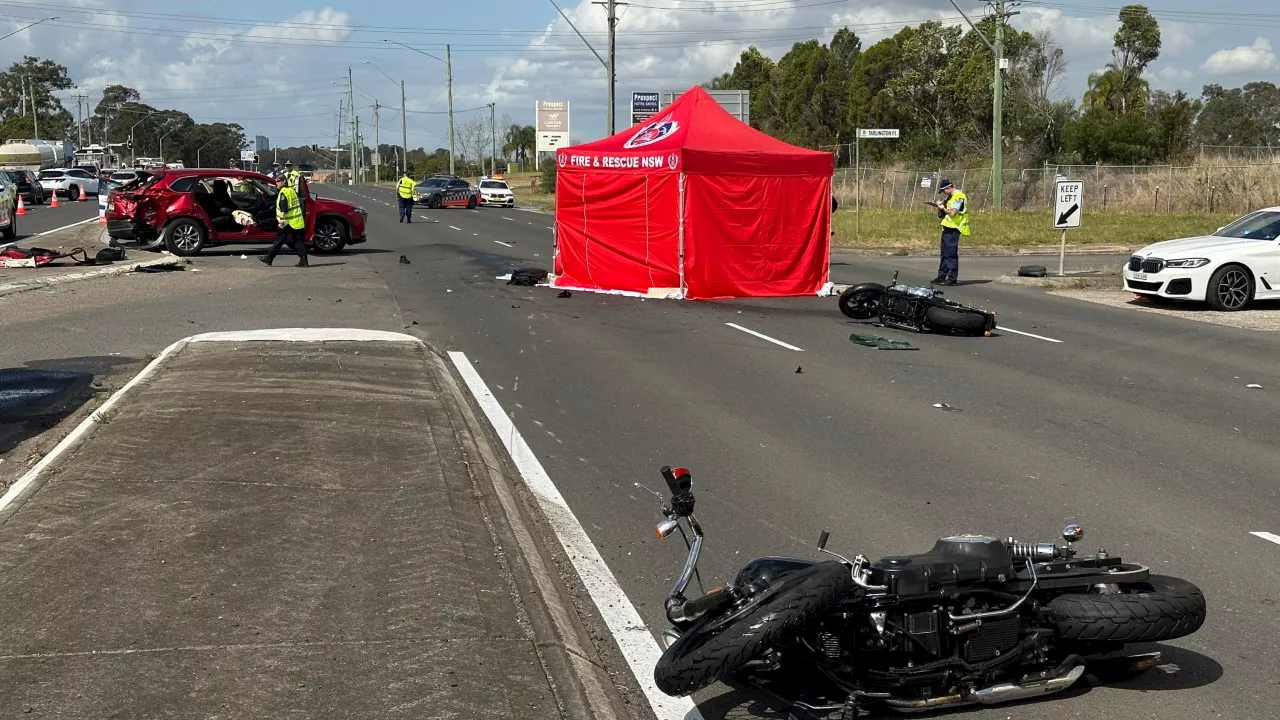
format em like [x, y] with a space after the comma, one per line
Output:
[693, 203]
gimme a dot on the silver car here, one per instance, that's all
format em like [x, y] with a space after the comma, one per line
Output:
[71, 182]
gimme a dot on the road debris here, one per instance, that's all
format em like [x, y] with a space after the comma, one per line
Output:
[944, 406]
[881, 343]
[1255, 386]
[564, 294]
[404, 260]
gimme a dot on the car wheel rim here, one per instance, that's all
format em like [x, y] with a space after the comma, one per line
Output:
[327, 237]
[1233, 289]
[186, 237]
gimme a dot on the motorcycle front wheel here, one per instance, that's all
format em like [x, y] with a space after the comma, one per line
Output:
[861, 302]
[719, 645]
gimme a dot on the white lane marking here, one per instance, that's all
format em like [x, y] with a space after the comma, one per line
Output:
[451, 227]
[64, 227]
[1000, 328]
[502, 243]
[504, 217]
[474, 211]
[764, 337]
[635, 641]
[1267, 536]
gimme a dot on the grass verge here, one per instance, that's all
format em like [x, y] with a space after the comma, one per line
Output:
[907, 229]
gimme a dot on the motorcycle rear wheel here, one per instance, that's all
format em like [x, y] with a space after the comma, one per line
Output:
[961, 320]
[861, 302]
[1159, 608]
[719, 645]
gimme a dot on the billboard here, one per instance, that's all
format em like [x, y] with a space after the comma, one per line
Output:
[551, 122]
[644, 105]
[737, 102]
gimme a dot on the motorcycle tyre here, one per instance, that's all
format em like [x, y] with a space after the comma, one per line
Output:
[1172, 608]
[969, 322]
[856, 310]
[705, 653]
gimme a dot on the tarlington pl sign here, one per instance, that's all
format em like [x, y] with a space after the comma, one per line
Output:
[877, 132]
[551, 124]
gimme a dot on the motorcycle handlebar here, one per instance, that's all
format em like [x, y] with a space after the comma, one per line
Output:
[678, 480]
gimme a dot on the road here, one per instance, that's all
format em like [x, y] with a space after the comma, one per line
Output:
[1138, 426]
[42, 218]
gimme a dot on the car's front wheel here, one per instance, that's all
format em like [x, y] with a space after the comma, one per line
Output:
[73, 192]
[330, 236]
[1230, 288]
[184, 237]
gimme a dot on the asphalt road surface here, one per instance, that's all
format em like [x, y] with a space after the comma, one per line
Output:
[1139, 427]
[42, 218]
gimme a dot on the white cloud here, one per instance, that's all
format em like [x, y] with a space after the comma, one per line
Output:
[1258, 57]
[1168, 74]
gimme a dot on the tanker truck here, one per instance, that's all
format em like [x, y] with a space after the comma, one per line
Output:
[33, 155]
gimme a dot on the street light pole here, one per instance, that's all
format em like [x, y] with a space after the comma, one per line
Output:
[162, 137]
[15, 32]
[198, 152]
[448, 62]
[493, 132]
[404, 119]
[133, 150]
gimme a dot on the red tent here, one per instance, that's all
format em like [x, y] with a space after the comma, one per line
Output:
[696, 203]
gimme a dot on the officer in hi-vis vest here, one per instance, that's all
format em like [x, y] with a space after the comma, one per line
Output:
[404, 191]
[292, 222]
[954, 214]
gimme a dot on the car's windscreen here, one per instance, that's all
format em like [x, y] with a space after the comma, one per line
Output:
[1255, 226]
[431, 183]
[494, 185]
[51, 174]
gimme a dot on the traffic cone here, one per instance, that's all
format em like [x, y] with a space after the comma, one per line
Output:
[22, 209]
[54, 203]
[82, 194]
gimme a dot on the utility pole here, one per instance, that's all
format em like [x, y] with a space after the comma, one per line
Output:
[493, 132]
[337, 145]
[351, 106]
[79, 120]
[360, 139]
[448, 64]
[611, 8]
[377, 147]
[35, 114]
[404, 131]
[997, 110]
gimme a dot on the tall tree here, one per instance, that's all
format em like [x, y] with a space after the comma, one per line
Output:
[1173, 116]
[920, 94]
[1121, 87]
[30, 85]
[753, 72]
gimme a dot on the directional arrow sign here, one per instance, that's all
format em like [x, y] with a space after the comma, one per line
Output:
[1069, 207]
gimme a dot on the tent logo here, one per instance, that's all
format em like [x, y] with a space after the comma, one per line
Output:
[562, 159]
[652, 133]
[673, 160]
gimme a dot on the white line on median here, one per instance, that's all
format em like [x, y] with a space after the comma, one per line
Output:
[764, 337]
[634, 639]
[502, 243]
[65, 227]
[1267, 536]
[1002, 328]
[455, 228]
[504, 217]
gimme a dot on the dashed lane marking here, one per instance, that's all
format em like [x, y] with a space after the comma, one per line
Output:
[451, 227]
[502, 243]
[1267, 536]
[1019, 332]
[762, 336]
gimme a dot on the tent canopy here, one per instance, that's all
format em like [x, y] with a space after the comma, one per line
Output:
[696, 136]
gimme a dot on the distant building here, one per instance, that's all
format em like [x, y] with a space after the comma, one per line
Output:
[262, 143]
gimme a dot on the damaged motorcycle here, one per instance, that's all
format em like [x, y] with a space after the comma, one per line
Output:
[975, 620]
[914, 307]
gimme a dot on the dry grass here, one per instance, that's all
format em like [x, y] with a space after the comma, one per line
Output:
[920, 229]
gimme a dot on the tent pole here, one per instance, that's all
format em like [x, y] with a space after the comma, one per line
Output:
[683, 288]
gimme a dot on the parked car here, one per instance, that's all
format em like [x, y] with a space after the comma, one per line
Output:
[446, 191]
[1237, 264]
[495, 191]
[189, 210]
[71, 182]
[8, 208]
[27, 185]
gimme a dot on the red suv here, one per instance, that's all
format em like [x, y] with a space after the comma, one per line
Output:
[191, 209]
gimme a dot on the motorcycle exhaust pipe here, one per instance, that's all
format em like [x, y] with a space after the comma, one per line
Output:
[993, 695]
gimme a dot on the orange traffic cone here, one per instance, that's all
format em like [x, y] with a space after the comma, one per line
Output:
[54, 202]
[22, 209]
[82, 194]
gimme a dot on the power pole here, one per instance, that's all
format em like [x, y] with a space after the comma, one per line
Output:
[493, 132]
[35, 114]
[377, 147]
[337, 146]
[997, 111]
[448, 64]
[611, 7]
[351, 106]
[80, 120]
[360, 139]
[404, 131]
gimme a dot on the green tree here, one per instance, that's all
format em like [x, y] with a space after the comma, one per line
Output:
[807, 112]
[1120, 87]
[921, 94]
[1041, 117]
[754, 73]
[1173, 118]
[1102, 136]
[30, 85]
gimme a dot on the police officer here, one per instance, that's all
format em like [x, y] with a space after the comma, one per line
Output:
[405, 192]
[292, 224]
[294, 177]
[954, 214]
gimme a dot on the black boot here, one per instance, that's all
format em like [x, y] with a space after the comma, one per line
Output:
[265, 260]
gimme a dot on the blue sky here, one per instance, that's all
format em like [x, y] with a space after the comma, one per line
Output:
[279, 68]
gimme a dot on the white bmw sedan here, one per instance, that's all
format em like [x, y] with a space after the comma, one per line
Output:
[1237, 264]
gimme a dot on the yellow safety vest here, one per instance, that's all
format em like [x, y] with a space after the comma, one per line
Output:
[405, 189]
[292, 212]
[961, 220]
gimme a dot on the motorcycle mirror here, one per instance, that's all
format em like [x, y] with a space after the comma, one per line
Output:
[1072, 533]
[822, 539]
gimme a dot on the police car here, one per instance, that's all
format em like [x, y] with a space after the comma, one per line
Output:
[446, 191]
[8, 208]
[495, 191]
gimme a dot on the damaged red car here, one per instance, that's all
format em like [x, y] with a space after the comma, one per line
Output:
[188, 210]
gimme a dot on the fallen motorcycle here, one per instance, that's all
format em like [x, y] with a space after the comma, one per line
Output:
[975, 620]
[914, 307]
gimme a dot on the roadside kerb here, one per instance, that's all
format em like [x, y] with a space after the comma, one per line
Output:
[108, 271]
[986, 250]
[580, 681]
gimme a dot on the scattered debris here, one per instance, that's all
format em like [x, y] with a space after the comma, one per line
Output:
[505, 277]
[527, 276]
[156, 268]
[881, 343]
[404, 260]
[564, 294]
[798, 371]
[515, 306]
[449, 290]
[944, 406]
[1255, 386]
[1032, 271]
[415, 322]
[244, 257]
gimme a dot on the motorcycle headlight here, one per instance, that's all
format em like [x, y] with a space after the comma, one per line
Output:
[1187, 263]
